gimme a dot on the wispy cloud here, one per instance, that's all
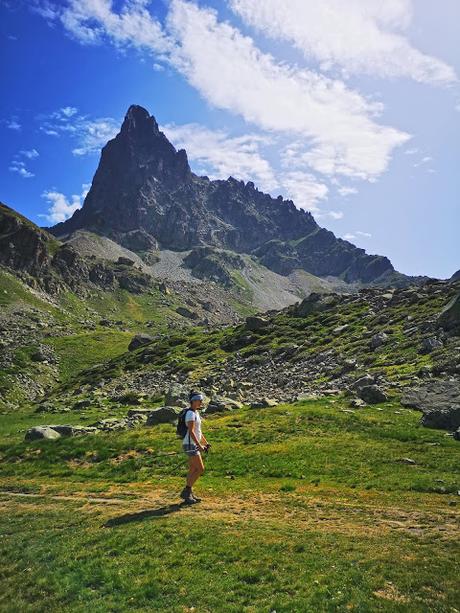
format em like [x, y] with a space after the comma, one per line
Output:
[424, 160]
[90, 134]
[358, 233]
[219, 155]
[339, 134]
[61, 207]
[335, 124]
[344, 190]
[12, 124]
[363, 36]
[20, 167]
[304, 189]
[31, 154]
[334, 214]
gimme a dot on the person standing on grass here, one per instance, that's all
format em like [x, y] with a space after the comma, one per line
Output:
[193, 443]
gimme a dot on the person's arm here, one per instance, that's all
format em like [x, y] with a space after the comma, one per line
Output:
[191, 429]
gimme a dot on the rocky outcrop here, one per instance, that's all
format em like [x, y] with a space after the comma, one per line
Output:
[439, 402]
[40, 260]
[213, 264]
[449, 319]
[139, 340]
[24, 247]
[145, 196]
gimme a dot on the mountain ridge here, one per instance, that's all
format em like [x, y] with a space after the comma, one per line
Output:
[145, 196]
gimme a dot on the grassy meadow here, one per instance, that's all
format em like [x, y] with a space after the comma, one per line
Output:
[305, 507]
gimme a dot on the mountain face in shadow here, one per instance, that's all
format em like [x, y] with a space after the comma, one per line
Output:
[145, 197]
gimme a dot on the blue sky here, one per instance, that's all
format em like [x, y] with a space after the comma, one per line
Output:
[352, 109]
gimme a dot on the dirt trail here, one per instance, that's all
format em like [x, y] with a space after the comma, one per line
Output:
[301, 513]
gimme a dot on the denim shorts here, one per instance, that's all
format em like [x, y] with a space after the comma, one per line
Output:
[190, 449]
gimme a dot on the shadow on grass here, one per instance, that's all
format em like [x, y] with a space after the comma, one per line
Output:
[130, 517]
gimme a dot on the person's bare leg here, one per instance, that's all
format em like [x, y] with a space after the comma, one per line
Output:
[196, 469]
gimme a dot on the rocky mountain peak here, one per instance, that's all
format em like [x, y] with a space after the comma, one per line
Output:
[145, 197]
[139, 120]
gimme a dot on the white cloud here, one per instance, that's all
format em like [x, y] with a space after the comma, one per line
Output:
[68, 111]
[20, 168]
[62, 208]
[335, 122]
[31, 154]
[12, 124]
[424, 160]
[334, 214]
[304, 189]
[94, 134]
[91, 20]
[46, 9]
[350, 236]
[346, 191]
[91, 134]
[220, 155]
[359, 36]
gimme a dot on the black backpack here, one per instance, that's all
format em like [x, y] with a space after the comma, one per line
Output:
[181, 429]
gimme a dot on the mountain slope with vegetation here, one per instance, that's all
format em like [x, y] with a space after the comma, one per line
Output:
[321, 345]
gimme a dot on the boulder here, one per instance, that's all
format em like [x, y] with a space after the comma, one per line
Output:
[429, 344]
[220, 404]
[41, 432]
[372, 394]
[125, 261]
[439, 402]
[177, 396]
[449, 319]
[139, 413]
[255, 322]
[361, 382]
[378, 340]
[163, 415]
[63, 430]
[316, 302]
[139, 341]
[187, 313]
[263, 403]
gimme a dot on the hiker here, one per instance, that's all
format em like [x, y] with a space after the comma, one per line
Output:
[193, 444]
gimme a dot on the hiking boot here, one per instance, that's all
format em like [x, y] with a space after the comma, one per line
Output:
[190, 500]
[186, 493]
[196, 497]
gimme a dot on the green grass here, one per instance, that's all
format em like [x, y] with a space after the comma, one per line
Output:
[305, 508]
[13, 291]
[79, 351]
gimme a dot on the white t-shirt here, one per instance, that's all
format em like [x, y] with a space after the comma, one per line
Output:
[193, 416]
